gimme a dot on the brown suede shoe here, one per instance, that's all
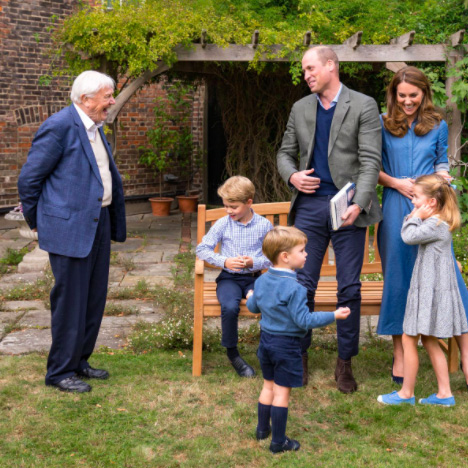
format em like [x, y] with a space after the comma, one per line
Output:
[305, 369]
[344, 376]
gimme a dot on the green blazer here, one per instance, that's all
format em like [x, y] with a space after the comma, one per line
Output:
[354, 148]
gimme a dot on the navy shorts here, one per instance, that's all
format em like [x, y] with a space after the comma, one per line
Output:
[280, 359]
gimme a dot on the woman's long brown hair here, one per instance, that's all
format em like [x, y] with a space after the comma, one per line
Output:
[427, 117]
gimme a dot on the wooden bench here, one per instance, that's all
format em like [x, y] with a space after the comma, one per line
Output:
[206, 303]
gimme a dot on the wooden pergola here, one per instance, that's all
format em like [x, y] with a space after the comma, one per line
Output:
[394, 55]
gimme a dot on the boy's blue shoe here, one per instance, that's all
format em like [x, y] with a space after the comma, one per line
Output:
[394, 399]
[262, 434]
[289, 444]
[433, 400]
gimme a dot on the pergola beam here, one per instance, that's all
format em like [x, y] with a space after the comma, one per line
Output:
[363, 53]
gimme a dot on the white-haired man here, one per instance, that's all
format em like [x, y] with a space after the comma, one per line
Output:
[72, 195]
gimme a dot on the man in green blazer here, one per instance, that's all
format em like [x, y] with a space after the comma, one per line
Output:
[333, 137]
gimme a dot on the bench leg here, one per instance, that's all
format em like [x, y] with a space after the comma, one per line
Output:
[451, 350]
[452, 355]
[197, 328]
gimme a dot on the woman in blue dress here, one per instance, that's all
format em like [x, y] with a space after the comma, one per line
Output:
[414, 143]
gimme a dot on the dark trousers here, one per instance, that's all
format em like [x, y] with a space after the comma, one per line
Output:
[77, 303]
[313, 218]
[230, 289]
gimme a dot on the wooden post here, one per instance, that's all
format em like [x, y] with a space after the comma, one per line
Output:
[354, 41]
[203, 38]
[453, 114]
[255, 37]
[405, 41]
[395, 66]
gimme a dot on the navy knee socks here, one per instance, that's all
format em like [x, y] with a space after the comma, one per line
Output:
[279, 418]
[263, 417]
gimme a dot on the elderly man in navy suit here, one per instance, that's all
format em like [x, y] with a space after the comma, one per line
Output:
[72, 195]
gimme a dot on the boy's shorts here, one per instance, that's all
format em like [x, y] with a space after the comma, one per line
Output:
[280, 359]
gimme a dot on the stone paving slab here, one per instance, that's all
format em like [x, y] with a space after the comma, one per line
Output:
[15, 244]
[22, 305]
[143, 307]
[6, 319]
[131, 281]
[116, 274]
[18, 279]
[26, 341]
[35, 318]
[144, 257]
[152, 269]
[131, 244]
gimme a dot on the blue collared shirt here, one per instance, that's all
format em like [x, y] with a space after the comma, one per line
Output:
[335, 99]
[236, 239]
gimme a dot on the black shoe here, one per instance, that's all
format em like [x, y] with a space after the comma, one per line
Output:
[72, 384]
[289, 444]
[90, 373]
[242, 368]
[263, 434]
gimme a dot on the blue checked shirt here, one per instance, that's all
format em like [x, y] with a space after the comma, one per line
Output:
[236, 239]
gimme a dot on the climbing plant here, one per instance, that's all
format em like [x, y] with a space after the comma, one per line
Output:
[255, 98]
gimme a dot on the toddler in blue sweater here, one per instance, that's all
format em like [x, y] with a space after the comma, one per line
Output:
[282, 301]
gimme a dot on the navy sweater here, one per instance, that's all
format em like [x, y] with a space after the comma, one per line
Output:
[282, 301]
[319, 160]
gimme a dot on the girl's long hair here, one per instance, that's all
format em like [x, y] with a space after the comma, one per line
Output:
[427, 117]
[435, 186]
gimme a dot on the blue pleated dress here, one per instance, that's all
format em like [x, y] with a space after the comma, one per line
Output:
[410, 156]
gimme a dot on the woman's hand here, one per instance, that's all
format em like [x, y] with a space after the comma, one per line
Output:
[445, 175]
[404, 186]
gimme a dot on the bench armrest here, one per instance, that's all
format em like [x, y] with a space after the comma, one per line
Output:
[199, 266]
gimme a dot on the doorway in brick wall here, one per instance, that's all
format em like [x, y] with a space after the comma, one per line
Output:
[217, 148]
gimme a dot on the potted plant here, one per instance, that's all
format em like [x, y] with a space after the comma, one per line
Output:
[158, 155]
[189, 160]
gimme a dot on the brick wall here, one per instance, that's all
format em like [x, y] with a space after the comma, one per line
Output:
[26, 99]
[135, 119]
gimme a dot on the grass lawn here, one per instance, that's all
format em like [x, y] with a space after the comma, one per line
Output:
[153, 413]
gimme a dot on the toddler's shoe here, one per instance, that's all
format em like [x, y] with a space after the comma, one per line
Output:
[394, 399]
[433, 400]
[263, 434]
[289, 444]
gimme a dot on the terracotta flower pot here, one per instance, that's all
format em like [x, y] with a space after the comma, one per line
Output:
[187, 204]
[161, 206]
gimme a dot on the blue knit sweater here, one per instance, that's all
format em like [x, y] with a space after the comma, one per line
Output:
[282, 301]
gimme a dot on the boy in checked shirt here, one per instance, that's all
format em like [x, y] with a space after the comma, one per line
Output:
[241, 234]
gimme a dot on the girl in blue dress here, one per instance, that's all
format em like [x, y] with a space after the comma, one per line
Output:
[414, 143]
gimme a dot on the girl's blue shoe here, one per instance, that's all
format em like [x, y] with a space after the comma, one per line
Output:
[394, 399]
[433, 400]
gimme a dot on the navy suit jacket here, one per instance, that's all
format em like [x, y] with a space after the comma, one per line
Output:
[61, 190]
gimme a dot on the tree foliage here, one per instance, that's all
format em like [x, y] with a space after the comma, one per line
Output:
[133, 37]
[255, 98]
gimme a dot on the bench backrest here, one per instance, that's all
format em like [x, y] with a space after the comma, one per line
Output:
[277, 214]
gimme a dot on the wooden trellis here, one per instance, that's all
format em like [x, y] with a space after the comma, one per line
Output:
[395, 56]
